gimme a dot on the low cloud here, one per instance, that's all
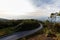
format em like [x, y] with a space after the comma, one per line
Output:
[45, 7]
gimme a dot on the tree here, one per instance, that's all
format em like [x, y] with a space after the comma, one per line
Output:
[53, 17]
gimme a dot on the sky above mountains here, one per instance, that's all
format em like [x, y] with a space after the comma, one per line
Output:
[47, 6]
[16, 8]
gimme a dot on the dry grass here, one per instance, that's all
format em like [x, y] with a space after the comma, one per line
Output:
[35, 37]
[39, 37]
[58, 36]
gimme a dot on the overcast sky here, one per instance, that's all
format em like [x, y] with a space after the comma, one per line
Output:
[14, 8]
[47, 6]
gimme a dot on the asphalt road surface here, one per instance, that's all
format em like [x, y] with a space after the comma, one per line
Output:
[17, 35]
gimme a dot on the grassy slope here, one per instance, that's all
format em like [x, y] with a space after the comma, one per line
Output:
[47, 28]
[8, 27]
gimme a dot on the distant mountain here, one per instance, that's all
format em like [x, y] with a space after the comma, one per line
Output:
[31, 17]
[42, 18]
[2, 19]
[55, 20]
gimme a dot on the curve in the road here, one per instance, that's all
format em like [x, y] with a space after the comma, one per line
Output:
[21, 34]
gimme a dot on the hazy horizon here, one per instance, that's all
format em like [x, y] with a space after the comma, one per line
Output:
[15, 8]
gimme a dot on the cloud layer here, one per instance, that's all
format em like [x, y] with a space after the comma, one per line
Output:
[46, 6]
[10, 8]
[14, 8]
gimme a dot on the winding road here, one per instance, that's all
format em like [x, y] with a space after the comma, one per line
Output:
[17, 35]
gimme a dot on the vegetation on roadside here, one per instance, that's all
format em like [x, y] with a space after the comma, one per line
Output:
[11, 26]
[50, 29]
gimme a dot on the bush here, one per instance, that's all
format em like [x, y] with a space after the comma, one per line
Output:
[28, 25]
